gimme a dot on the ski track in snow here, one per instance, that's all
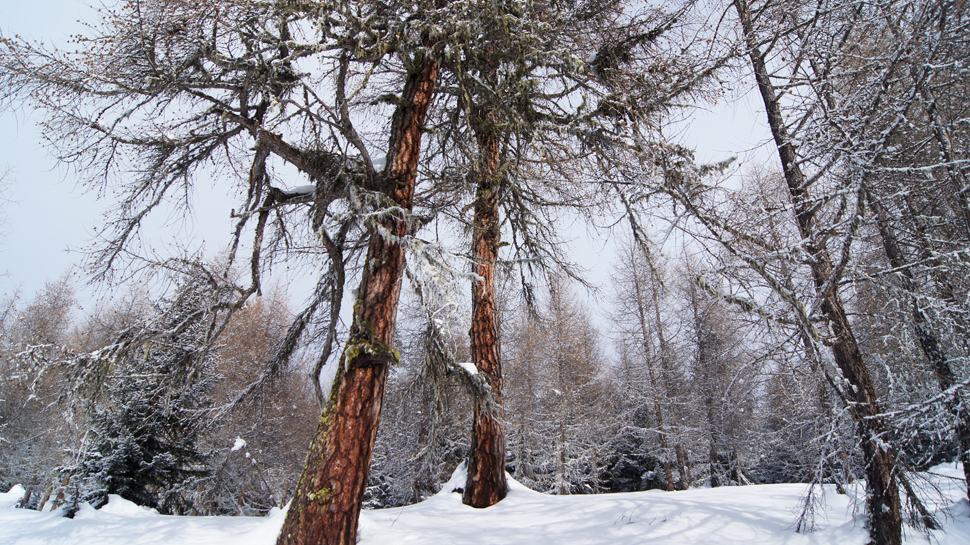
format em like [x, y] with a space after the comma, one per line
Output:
[749, 515]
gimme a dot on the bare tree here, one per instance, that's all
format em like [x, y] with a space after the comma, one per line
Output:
[35, 425]
[641, 289]
[559, 403]
[533, 95]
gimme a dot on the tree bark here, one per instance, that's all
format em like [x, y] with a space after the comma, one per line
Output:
[682, 467]
[326, 506]
[486, 484]
[885, 517]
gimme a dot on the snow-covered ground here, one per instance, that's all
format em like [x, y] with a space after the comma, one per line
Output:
[750, 515]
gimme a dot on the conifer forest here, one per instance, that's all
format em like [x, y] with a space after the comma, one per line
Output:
[429, 171]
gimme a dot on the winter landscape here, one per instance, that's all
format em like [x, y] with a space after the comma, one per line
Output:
[762, 514]
[486, 271]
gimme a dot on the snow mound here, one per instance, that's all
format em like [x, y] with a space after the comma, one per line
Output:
[10, 498]
[457, 480]
[123, 508]
[460, 477]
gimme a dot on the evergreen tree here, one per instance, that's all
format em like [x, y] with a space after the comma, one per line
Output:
[144, 439]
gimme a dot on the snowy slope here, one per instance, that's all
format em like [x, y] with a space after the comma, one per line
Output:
[750, 515]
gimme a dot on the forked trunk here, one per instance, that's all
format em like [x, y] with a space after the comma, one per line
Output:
[486, 484]
[326, 506]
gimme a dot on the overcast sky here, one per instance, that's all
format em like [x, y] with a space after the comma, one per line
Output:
[48, 220]
[44, 213]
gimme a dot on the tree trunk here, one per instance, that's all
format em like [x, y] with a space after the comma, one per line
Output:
[657, 387]
[486, 484]
[326, 506]
[682, 467]
[925, 333]
[714, 462]
[562, 487]
[885, 518]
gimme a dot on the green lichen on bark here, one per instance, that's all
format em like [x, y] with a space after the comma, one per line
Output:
[321, 497]
[362, 351]
[326, 416]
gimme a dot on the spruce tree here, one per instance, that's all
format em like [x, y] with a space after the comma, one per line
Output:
[143, 443]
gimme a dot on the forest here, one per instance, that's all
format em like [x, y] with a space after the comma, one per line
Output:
[428, 166]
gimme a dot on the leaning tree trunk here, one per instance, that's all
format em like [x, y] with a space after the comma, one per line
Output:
[486, 484]
[925, 332]
[885, 518]
[326, 506]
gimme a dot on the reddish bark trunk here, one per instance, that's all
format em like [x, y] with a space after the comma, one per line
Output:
[326, 506]
[885, 517]
[486, 484]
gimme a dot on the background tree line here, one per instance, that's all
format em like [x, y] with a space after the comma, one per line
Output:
[673, 387]
[157, 421]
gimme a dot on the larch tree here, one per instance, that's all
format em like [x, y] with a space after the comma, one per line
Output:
[825, 216]
[874, 114]
[640, 290]
[893, 100]
[532, 94]
[573, 372]
[725, 376]
[559, 405]
[524, 415]
[252, 478]
[163, 92]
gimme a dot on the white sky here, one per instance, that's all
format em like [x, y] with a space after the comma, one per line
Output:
[48, 219]
[44, 213]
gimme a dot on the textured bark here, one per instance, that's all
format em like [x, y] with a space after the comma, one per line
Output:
[486, 484]
[326, 506]
[885, 517]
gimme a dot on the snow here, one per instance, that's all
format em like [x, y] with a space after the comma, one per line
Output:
[11, 498]
[469, 368]
[300, 190]
[240, 443]
[748, 515]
